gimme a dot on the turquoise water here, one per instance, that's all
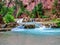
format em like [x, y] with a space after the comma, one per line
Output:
[37, 31]
[31, 37]
[22, 38]
[37, 36]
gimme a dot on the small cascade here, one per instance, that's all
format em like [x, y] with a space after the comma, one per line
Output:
[38, 26]
[44, 27]
[19, 21]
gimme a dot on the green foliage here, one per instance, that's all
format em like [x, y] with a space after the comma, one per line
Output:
[38, 9]
[3, 10]
[55, 20]
[19, 13]
[32, 16]
[44, 16]
[21, 8]
[6, 10]
[10, 10]
[8, 18]
[21, 5]
[58, 24]
[34, 11]
[7, 13]
[1, 5]
[55, 3]
[54, 11]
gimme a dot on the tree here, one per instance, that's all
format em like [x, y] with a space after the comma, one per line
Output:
[57, 8]
[38, 10]
[55, 3]
[21, 8]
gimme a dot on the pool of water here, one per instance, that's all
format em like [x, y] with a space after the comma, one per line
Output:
[20, 38]
[37, 31]
[37, 36]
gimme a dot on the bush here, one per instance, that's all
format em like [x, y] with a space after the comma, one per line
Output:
[38, 10]
[58, 24]
[8, 18]
[54, 11]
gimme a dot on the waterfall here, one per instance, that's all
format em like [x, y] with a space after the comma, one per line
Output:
[19, 20]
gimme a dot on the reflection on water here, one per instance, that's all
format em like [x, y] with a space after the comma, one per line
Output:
[16, 38]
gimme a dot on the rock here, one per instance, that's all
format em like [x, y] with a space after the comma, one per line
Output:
[3, 25]
[37, 19]
[47, 25]
[29, 26]
[26, 19]
[12, 25]
[54, 26]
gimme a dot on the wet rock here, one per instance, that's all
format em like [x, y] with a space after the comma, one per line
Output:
[54, 26]
[37, 19]
[47, 25]
[12, 25]
[26, 19]
[29, 26]
[3, 25]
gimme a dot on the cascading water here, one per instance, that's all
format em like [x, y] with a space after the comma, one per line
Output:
[19, 21]
[42, 27]
[39, 28]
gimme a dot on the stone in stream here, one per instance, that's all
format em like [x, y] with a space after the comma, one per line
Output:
[29, 26]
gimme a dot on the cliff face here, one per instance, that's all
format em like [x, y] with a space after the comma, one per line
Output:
[47, 4]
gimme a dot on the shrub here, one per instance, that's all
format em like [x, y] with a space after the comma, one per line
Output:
[58, 24]
[38, 10]
[54, 11]
[8, 18]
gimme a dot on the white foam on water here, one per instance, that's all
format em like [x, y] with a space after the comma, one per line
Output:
[40, 28]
